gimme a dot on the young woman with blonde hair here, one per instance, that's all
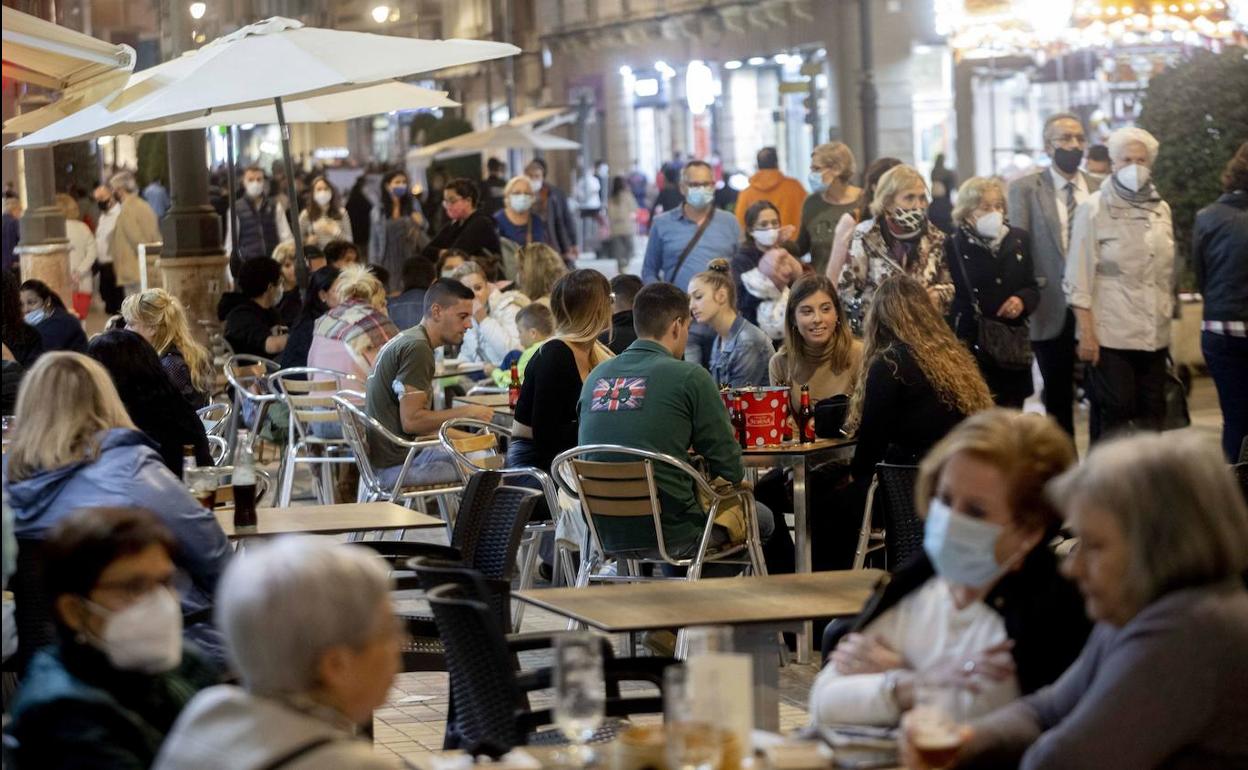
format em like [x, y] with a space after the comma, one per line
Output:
[546, 426]
[158, 317]
[349, 336]
[917, 380]
[741, 350]
[81, 450]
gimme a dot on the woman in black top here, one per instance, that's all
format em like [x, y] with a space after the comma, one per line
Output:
[317, 301]
[992, 260]
[917, 380]
[152, 402]
[467, 229]
[19, 337]
[46, 312]
[546, 426]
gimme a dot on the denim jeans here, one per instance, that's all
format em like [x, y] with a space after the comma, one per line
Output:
[432, 466]
[1227, 359]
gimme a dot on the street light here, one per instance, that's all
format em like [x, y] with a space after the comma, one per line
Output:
[198, 10]
[381, 13]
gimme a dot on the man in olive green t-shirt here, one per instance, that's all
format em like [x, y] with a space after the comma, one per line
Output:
[649, 397]
[399, 394]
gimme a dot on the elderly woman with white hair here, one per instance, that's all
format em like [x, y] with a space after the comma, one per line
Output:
[312, 632]
[1120, 282]
[1163, 545]
[898, 239]
[995, 289]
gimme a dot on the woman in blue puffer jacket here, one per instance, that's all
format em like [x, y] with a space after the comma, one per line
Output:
[75, 447]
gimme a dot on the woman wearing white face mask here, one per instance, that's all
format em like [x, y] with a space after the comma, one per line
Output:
[1120, 282]
[994, 287]
[517, 221]
[762, 289]
[324, 219]
[984, 604]
[109, 690]
[898, 239]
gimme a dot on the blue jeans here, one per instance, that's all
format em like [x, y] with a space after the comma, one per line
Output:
[432, 466]
[1227, 359]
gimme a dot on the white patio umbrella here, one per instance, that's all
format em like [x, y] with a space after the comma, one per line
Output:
[504, 137]
[81, 67]
[271, 61]
[330, 108]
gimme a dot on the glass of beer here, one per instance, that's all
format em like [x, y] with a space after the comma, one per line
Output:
[934, 726]
[202, 483]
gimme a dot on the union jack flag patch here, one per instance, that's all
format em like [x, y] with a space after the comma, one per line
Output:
[618, 394]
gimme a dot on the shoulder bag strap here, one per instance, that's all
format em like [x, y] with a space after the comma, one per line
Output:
[299, 752]
[970, 288]
[680, 261]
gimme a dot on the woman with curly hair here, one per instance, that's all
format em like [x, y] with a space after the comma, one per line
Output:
[917, 380]
[159, 317]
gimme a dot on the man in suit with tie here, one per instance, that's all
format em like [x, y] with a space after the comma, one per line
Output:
[1043, 203]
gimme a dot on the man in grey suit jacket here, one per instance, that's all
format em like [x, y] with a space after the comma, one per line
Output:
[1043, 203]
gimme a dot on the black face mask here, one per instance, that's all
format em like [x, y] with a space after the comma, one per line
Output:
[104, 204]
[1067, 160]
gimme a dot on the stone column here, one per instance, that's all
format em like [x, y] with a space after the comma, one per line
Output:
[192, 261]
[43, 249]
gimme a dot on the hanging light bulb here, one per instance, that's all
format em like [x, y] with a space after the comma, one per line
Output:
[198, 10]
[381, 13]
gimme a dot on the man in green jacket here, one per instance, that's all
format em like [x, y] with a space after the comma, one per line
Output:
[649, 397]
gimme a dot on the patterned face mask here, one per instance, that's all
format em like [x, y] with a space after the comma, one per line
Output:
[908, 223]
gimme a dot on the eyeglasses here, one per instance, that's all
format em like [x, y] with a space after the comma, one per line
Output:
[449, 201]
[135, 587]
[1069, 138]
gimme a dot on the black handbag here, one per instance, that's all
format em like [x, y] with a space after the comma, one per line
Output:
[1008, 346]
[1177, 415]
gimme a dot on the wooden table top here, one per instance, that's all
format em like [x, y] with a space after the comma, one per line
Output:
[328, 519]
[496, 401]
[798, 448]
[766, 599]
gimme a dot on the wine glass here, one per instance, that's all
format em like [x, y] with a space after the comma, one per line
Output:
[693, 742]
[580, 690]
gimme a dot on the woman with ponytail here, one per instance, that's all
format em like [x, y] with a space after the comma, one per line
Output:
[158, 317]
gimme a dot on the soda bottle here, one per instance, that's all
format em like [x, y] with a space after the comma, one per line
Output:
[513, 388]
[806, 417]
[244, 483]
[738, 423]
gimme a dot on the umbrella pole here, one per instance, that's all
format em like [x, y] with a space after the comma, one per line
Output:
[292, 211]
[232, 181]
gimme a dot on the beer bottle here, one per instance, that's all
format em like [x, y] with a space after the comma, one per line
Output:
[806, 417]
[738, 423]
[244, 483]
[513, 387]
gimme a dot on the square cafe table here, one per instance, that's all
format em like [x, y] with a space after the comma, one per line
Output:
[328, 520]
[799, 457]
[757, 607]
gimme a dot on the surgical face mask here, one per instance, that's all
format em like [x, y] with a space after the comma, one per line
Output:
[990, 225]
[520, 203]
[254, 189]
[908, 223]
[816, 181]
[399, 190]
[962, 549]
[1067, 160]
[35, 316]
[322, 197]
[146, 636]
[766, 238]
[536, 184]
[1134, 177]
[700, 197]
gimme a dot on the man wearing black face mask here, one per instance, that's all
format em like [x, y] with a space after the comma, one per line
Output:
[1043, 204]
[110, 292]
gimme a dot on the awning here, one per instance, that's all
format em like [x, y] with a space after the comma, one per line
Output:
[48, 55]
